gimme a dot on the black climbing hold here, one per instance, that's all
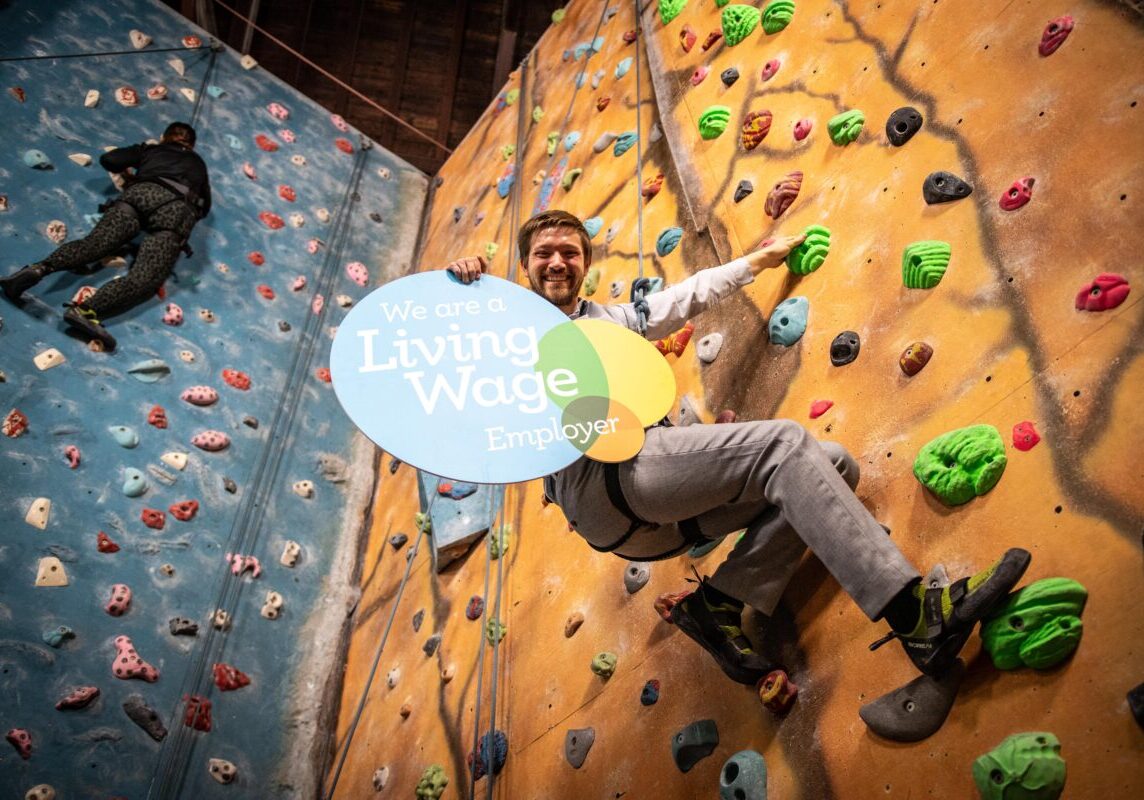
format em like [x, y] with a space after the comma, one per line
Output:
[694, 743]
[917, 710]
[229, 485]
[902, 125]
[283, 325]
[844, 348]
[1136, 704]
[431, 644]
[356, 197]
[394, 463]
[145, 717]
[397, 540]
[181, 626]
[743, 189]
[418, 618]
[577, 743]
[375, 216]
[250, 422]
[457, 212]
[729, 76]
[944, 187]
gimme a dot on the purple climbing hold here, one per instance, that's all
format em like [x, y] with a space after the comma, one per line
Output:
[492, 749]
[475, 607]
[431, 644]
[397, 540]
[650, 694]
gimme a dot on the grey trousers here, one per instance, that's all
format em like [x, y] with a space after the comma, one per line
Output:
[771, 477]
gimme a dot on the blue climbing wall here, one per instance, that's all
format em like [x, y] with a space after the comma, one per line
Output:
[273, 321]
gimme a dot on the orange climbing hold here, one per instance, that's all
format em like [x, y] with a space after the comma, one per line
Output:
[652, 186]
[756, 125]
[239, 380]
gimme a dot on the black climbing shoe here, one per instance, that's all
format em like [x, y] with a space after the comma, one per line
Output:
[715, 625]
[947, 615]
[87, 323]
[22, 280]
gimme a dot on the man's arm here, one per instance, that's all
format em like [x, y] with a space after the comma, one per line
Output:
[122, 158]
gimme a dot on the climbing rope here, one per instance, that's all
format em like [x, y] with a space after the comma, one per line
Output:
[583, 70]
[204, 82]
[641, 284]
[518, 166]
[148, 51]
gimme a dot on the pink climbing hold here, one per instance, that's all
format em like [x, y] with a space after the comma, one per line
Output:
[211, 441]
[1055, 34]
[79, 698]
[228, 678]
[271, 220]
[21, 740]
[184, 510]
[770, 68]
[298, 284]
[248, 171]
[313, 245]
[71, 453]
[287, 193]
[128, 664]
[652, 186]
[725, 416]
[699, 74]
[338, 122]
[173, 316]
[820, 407]
[1025, 436]
[240, 564]
[322, 374]
[802, 128]
[317, 304]
[239, 380]
[344, 145]
[153, 518]
[264, 290]
[357, 273]
[1107, 290]
[278, 111]
[120, 600]
[687, 38]
[83, 294]
[200, 395]
[157, 417]
[256, 258]
[1018, 194]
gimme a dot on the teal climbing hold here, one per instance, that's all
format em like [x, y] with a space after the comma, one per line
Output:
[744, 777]
[593, 225]
[624, 142]
[124, 436]
[788, 321]
[738, 22]
[669, 9]
[150, 370]
[962, 464]
[668, 240]
[215, 91]
[623, 67]
[845, 127]
[1038, 626]
[777, 15]
[36, 159]
[57, 636]
[134, 484]
[1026, 766]
[713, 121]
[924, 264]
[808, 256]
[570, 140]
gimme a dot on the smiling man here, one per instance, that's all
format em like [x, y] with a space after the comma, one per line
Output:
[690, 485]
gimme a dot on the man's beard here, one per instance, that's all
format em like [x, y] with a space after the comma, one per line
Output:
[559, 294]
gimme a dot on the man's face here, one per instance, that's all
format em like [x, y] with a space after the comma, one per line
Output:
[555, 266]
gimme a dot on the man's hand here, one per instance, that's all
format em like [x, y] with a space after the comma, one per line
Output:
[773, 252]
[468, 268]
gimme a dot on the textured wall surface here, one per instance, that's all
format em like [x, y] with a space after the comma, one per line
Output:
[1009, 347]
[287, 427]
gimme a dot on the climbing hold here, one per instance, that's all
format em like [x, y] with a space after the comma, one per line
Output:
[729, 76]
[624, 142]
[694, 743]
[181, 626]
[81, 159]
[185, 510]
[124, 436]
[788, 321]
[239, 380]
[228, 678]
[495, 631]
[343, 145]
[139, 39]
[153, 518]
[1136, 704]
[1107, 290]
[687, 38]
[699, 74]
[151, 370]
[650, 694]
[769, 69]
[128, 664]
[962, 464]
[498, 541]
[240, 564]
[222, 770]
[145, 717]
[38, 513]
[1017, 195]
[21, 740]
[636, 576]
[707, 348]
[777, 692]
[475, 607]
[91, 98]
[50, 572]
[780, 197]
[126, 96]
[57, 636]
[120, 600]
[211, 441]
[571, 140]
[820, 407]
[1025, 436]
[592, 225]
[807, 257]
[56, 231]
[844, 348]
[622, 68]
[577, 743]
[134, 484]
[215, 91]
[845, 127]
[1037, 626]
[398, 540]
[902, 124]
[381, 775]
[570, 178]
[104, 544]
[432, 783]
[200, 396]
[668, 240]
[944, 187]
[744, 777]
[71, 453]
[802, 128]
[591, 281]
[924, 264]
[738, 23]
[157, 92]
[629, 37]
[914, 358]
[1025, 765]
[18, 93]
[264, 142]
[36, 159]
[431, 644]
[393, 677]
[197, 714]
[917, 710]
[713, 121]
[756, 125]
[77, 698]
[777, 15]
[711, 40]
[493, 747]
[266, 292]
[744, 188]
[15, 424]
[649, 190]
[1055, 34]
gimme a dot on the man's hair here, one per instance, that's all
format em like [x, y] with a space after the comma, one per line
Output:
[552, 219]
[181, 131]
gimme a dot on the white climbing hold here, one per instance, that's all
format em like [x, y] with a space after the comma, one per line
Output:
[139, 40]
[51, 572]
[38, 513]
[384, 173]
[393, 677]
[290, 554]
[41, 791]
[187, 356]
[344, 300]
[272, 606]
[220, 769]
[48, 358]
[303, 488]
[56, 230]
[297, 220]
[617, 288]
[91, 99]
[323, 215]
[126, 96]
[604, 142]
[708, 347]
[248, 62]
[174, 458]
[220, 619]
[206, 315]
[380, 778]
[298, 160]
[188, 93]
[656, 132]
[598, 76]
[613, 231]
[178, 65]
[82, 159]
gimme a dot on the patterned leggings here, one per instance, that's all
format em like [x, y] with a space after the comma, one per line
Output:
[168, 222]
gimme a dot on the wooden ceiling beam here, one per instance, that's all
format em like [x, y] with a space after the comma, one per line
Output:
[452, 73]
[400, 67]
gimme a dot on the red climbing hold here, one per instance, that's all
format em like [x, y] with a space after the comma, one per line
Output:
[602, 103]
[629, 37]
[725, 416]
[666, 601]
[271, 220]
[157, 417]
[1107, 290]
[322, 374]
[802, 128]
[783, 194]
[756, 125]
[256, 258]
[681, 338]
[344, 145]
[652, 186]
[239, 380]
[14, 424]
[1055, 34]
[687, 38]
[104, 544]
[184, 510]
[153, 518]
[770, 68]
[287, 193]
[264, 142]
[21, 740]
[1018, 194]
[18, 93]
[229, 678]
[820, 407]
[198, 712]
[777, 691]
[1025, 436]
[265, 291]
[712, 39]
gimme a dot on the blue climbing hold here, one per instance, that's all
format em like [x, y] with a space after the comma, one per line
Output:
[150, 370]
[788, 321]
[36, 159]
[504, 185]
[744, 777]
[134, 484]
[579, 50]
[492, 745]
[124, 436]
[570, 141]
[234, 142]
[623, 67]
[215, 91]
[596, 45]
[593, 225]
[624, 143]
[668, 240]
[456, 489]
[650, 694]
[654, 284]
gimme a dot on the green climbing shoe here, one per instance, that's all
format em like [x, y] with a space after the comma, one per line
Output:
[85, 321]
[715, 625]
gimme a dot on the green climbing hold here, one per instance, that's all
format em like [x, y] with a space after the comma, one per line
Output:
[553, 140]
[558, 16]
[604, 664]
[738, 22]
[495, 631]
[491, 250]
[591, 281]
[511, 97]
[669, 9]
[777, 15]
[537, 113]
[508, 151]
[570, 178]
[713, 121]
[808, 256]
[432, 784]
[498, 541]
[721, 3]
[1038, 626]
[420, 518]
[962, 464]
[845, 127]
[1026, 766]
[924, 264]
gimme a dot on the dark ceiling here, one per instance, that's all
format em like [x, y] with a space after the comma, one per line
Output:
[435, 64]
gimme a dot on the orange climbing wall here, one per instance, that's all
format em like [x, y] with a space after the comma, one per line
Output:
[1009, 346]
